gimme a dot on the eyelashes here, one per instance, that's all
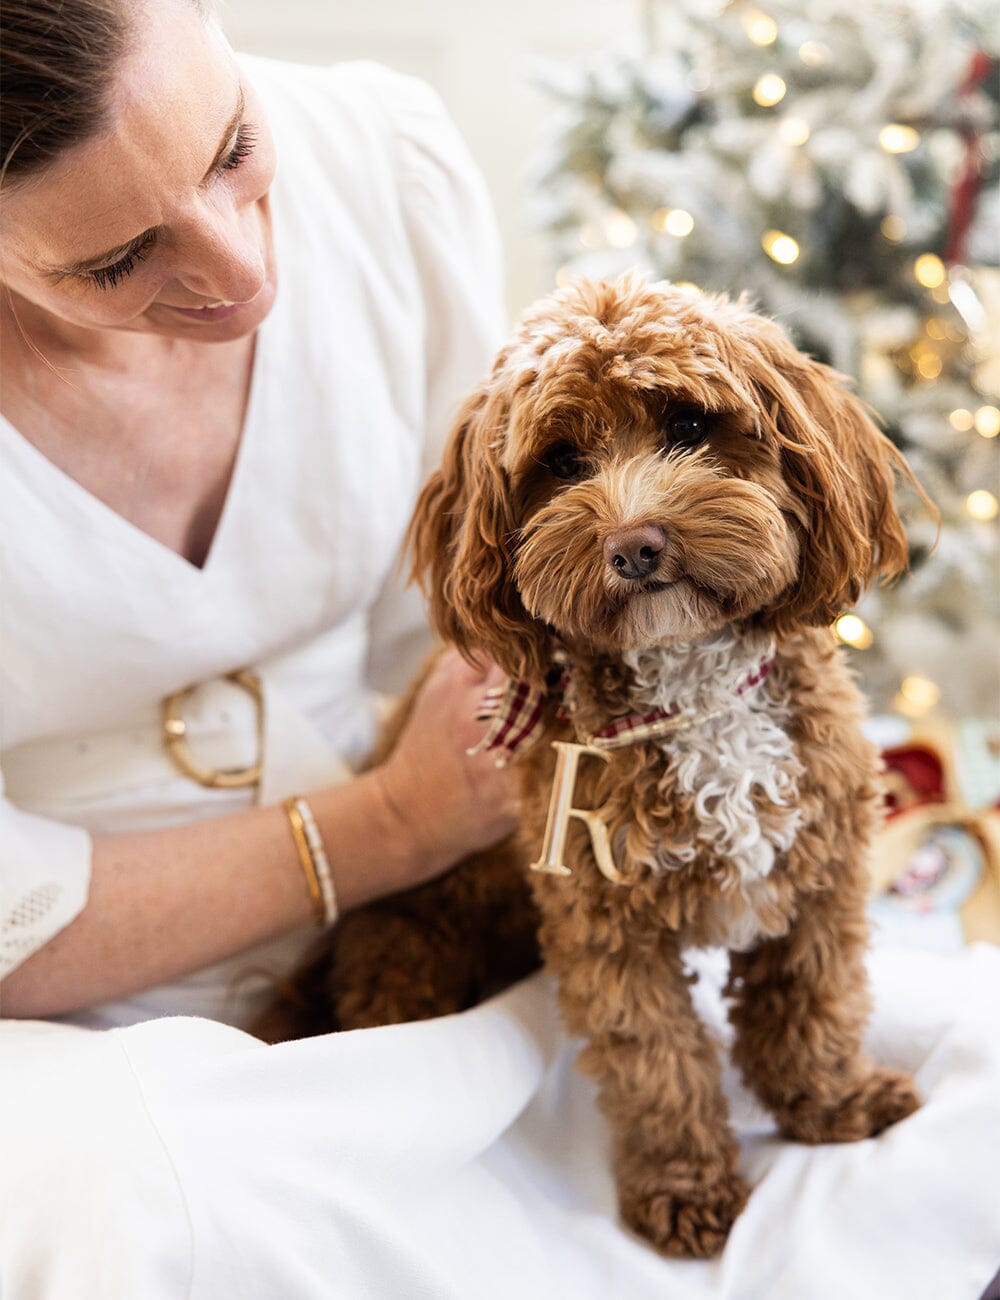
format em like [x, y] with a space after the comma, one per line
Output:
[106, 277]
[246, 140]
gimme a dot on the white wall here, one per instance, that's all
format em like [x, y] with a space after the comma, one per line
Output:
[476, 52]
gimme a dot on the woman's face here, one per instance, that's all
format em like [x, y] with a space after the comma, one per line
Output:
[161, 224]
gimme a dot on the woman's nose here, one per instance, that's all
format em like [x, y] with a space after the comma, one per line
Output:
[226, 257]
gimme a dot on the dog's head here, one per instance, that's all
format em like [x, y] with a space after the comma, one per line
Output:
[643, 466]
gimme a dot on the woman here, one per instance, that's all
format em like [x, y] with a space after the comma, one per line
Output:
[240, 301]
[174, 512]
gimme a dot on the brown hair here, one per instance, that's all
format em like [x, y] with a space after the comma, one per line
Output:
[54, 76]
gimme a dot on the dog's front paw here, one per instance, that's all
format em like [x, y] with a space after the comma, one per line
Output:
[692, 1224]
[884, 1098]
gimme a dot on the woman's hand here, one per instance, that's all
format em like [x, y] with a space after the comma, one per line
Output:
[449, 803]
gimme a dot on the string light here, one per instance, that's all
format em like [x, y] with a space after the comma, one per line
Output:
[935, 329]
[620, 229]
[672, 221]
[893, 228]
[769, 90]
[853, 631]
[814, 53]
[780, 247]
[917, 695]
[590, 236]
[793, 131]
[689, 286]
[982, 505]
[929, 270]
[961, 419]
[897, 138]
[760, 27]
[987, 421]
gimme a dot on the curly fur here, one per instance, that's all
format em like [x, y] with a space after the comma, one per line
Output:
[749, 829]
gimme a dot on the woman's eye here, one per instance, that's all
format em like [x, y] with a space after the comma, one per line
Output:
[564, 461]
[106, 277]
[246, 139]
[688, 428]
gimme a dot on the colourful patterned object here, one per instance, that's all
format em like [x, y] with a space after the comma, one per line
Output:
[936, 863]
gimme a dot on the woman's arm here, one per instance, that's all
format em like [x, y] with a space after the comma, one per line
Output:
[164, 903]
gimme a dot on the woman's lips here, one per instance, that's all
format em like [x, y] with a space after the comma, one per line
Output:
[222, 312]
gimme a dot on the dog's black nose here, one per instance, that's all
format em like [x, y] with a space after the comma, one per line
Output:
[633, 552]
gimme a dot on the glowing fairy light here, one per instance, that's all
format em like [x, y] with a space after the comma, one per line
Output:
[853, 631]
[897, 138]
[920, 693]
[673, 221]
[929, 270]
[590, 235]
[961, 419]
[814, 53]
[987, 421]
[893, 228]
[620, 230]
[793, 131]
[760, 28]
[780, 247]
[769, 90]
[982, 505]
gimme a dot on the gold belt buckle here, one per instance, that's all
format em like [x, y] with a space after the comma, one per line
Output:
[175, 737]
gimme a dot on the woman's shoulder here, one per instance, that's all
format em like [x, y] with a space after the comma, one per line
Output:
[357, 114]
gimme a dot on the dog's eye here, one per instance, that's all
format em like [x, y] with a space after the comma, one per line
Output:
[687, 429]
[564, 461]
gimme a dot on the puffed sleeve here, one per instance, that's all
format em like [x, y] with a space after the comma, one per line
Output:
[457, 253]
[44, 879]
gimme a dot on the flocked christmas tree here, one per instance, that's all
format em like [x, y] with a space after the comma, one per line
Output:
[840, 164]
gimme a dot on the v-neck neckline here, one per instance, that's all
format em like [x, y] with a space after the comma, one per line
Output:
[118, 522]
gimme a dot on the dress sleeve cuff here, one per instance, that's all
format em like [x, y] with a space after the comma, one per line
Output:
[44, 880]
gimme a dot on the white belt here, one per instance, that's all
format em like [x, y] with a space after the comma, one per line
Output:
[128, 766]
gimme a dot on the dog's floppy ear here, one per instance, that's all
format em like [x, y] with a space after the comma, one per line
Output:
[841, 471]
[462, 537]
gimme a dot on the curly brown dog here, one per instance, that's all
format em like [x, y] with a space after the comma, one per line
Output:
[648, 515]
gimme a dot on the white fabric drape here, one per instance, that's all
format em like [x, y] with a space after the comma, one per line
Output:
[464, 1158]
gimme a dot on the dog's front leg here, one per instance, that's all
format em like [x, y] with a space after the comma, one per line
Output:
[800, 1007]
[623, 986]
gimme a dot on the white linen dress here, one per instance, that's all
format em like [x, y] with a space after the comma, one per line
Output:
[153, 1150]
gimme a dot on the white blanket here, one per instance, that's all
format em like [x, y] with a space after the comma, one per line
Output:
[464, 1159]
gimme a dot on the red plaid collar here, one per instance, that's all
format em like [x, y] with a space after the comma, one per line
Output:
[515, 711]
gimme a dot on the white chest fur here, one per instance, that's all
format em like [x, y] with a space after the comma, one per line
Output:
[735, 760]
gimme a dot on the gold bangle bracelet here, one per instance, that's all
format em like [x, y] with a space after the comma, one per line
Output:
[305, 857]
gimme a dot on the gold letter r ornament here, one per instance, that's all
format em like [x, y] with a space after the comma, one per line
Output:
[561, 810]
